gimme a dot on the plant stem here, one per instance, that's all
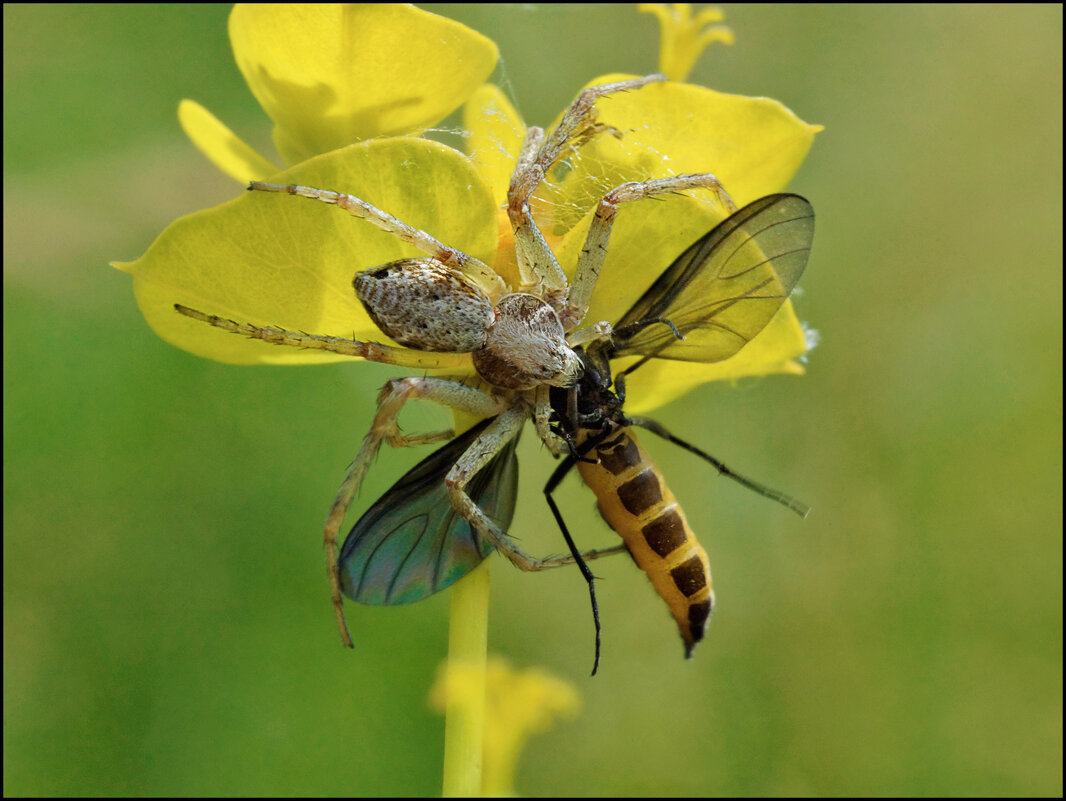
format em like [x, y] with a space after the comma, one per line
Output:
[464, 724]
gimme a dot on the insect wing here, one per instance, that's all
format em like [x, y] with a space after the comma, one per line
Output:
[726, 287]
[411, 542]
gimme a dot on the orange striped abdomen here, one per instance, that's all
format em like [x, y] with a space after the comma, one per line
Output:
[635, 501]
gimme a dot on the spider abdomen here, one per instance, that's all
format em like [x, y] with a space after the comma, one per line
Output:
[425, 305]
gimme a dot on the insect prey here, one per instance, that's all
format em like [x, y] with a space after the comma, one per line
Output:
[713, 299]
[539, 359]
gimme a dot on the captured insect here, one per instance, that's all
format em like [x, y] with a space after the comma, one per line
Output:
[528, 345]
[716, 296]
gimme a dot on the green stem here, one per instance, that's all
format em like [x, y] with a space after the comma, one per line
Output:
[464, 723]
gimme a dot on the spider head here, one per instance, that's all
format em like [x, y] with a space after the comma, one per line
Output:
[526, 346]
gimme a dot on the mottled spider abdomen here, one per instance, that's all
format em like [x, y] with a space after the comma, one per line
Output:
[425, 305]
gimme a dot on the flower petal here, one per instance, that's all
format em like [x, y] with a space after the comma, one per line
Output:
[683, 35]
[331, 75]
[495, 134]
[223, 147]
[278, 260]
[752, 145]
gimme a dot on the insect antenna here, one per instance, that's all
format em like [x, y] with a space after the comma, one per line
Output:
[796, 506]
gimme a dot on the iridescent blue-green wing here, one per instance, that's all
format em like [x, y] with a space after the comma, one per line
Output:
[411, 542]
[725, 287]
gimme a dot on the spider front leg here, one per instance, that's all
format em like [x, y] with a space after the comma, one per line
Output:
[542, 413]
[579, 117]
[538, 268]
[384, 428]
[590, 261]
[455, 259]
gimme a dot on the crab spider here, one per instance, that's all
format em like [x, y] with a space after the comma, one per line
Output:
[522, 339]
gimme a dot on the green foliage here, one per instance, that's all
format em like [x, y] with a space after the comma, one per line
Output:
[167, 629]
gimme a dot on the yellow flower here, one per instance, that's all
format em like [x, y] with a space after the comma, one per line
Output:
[517, 704]
[348, 112]
[684, 35]
[330, 75]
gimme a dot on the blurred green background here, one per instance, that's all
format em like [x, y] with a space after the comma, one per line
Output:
[167, 629]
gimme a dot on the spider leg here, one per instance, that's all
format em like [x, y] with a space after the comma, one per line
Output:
[542, 412]
[393, 395]
[591, 259]
[479, 454]
[538, 268]
[578, 117]
[456, 259]
[596, 332]
[371, 351]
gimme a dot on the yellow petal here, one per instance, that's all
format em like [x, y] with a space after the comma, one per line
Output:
[278, 260]
[515, 703]
[772, 351]
[683, 36]
[331, 75]
[223, 147]
[519, 703]
[495, 133]
[752, 145]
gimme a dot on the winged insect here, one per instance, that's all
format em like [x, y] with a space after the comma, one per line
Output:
[714, 298]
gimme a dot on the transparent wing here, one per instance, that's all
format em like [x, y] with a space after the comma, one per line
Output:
[411, 543]
[724, 289]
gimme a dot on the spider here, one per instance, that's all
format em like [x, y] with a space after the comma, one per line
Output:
[525, 340]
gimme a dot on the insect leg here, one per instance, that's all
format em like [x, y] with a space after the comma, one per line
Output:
[479, 454]
[357, 207]
[393, 395]
[371, 351]
[553, 482]
[655, 427]
[591, 259]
